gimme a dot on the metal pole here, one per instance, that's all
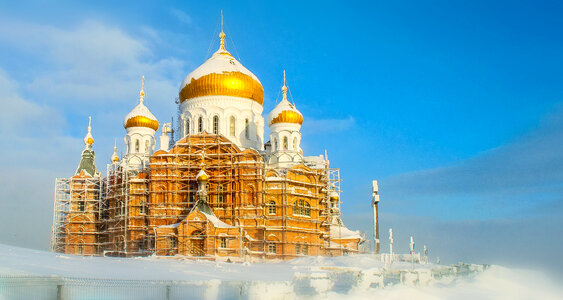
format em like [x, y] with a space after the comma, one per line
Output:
[375, 202]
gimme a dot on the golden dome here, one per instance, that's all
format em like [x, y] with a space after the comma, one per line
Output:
[141, 121]
[222, 75]
[202, 176]
[141, 116]
[114, 156]
[285, 111]
[334, 196]
[90, 141]
[288, 116]
[235, 84]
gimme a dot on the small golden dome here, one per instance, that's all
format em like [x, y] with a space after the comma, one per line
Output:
[285, 111]
[202, 176]
[141, 116]
[288, 116]
[141, 121]
[334, 196]
[89, 139]
[222, 75]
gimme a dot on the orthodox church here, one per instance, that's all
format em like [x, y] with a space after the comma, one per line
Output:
[216, 192]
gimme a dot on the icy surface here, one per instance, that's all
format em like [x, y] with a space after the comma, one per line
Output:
[139, 110]
[349, 277]
[220, 62]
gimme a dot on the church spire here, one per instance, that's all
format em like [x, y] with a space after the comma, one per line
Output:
[114, 156]
[222, 34]
[142, 91]
[87, 162]
[284, 88]
[89, 139]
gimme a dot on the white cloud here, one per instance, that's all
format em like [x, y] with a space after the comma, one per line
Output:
[328, 125]
[181, 16]
[91, 62]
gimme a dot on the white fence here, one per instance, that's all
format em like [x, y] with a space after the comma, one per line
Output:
[340, 281]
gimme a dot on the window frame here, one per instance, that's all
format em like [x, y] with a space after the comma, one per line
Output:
[232, 126]
[215, 124]
[272, 209]
[272, 248]
[200, 124]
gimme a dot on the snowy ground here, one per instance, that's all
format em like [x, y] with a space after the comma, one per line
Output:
[351, 277]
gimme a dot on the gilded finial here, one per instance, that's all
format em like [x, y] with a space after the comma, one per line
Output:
[284, 88]
[142, 92]
[222, 34]
[88, 139]
[114, 156]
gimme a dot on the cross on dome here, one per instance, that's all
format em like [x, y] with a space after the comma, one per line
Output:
[222, 34]
[142, 91]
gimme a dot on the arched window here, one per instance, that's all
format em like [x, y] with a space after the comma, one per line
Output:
[307, 210]
[142, 208]
[275, 144]
[147, 144]
[301, 208]
[295, 143]
[272, 207]
[220, 195]
[200, 124]
[232, 126]
[285, 143]
[251, 196]
[187, 127]
[216, 125]
[246, 129]
[79, 248]
[137, 146]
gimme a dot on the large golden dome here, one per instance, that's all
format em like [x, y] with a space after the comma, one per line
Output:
[222, 75]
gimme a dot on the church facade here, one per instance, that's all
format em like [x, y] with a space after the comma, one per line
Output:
[218, 192]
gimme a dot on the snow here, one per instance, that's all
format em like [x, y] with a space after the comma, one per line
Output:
[216, 222]
[220, 62]
[348, 277]
[139, 110]
[284, 105]
[342, 232]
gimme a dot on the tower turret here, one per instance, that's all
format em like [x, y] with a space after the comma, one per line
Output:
[87, 162]
[141, 126]
[285, 135]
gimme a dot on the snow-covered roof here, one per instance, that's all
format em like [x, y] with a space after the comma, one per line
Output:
[139, 110]
[216, 222]
[342, 232]
[284, 105]
[175, 225]
[220, 62]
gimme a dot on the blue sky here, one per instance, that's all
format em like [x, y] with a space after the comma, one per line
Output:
[455, 106]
